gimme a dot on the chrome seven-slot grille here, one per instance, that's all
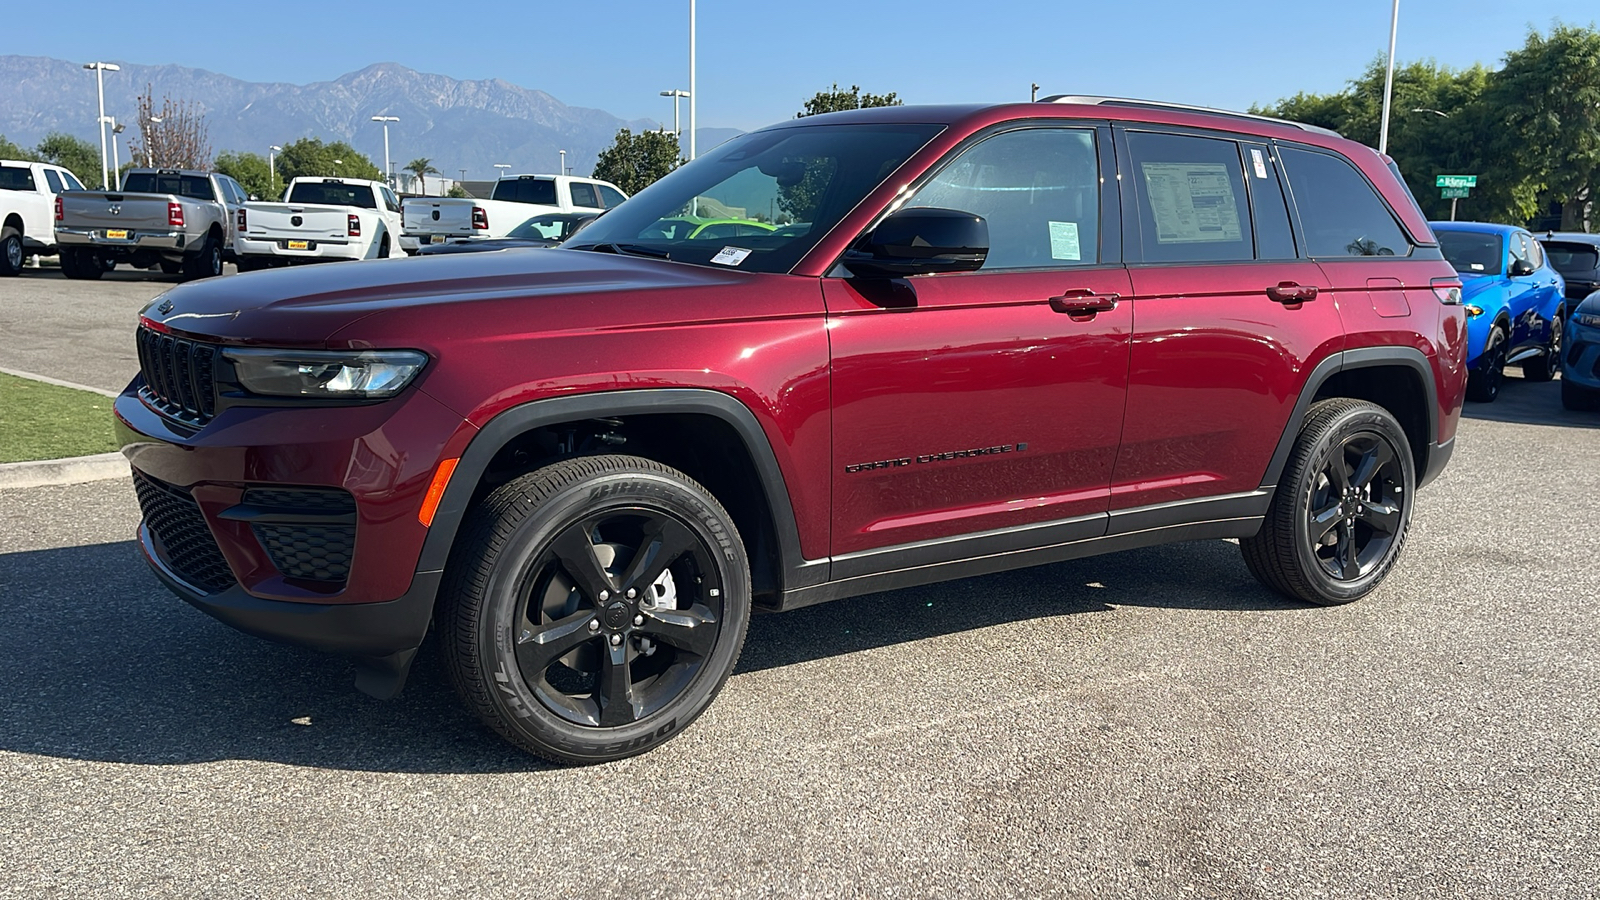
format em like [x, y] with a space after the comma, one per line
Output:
[179, 376]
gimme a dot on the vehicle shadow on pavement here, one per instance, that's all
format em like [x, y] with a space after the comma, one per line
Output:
[104, 664]
[121, 273]
[1523, 402]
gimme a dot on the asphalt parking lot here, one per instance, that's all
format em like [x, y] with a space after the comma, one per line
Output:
[1147, 724]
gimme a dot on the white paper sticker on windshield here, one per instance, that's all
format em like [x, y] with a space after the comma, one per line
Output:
[1192, 202]
[1064, 240]
[1259, 162]
[730, 256]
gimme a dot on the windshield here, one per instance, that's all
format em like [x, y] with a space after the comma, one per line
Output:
[761, 201]
[526, 190]
[551, 227]
[332, 193]
[1471, 252]
[197, 187]
[1573, 260]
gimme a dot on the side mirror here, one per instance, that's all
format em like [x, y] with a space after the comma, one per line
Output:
[921, 242]
[1520, 268]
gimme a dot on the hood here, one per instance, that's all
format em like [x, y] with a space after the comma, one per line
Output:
[302, 306]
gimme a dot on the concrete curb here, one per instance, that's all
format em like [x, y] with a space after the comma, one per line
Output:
[74, 470]
[58, 382]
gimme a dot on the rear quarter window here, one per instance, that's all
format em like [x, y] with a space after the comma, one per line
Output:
[1340, 212]
[15, 178]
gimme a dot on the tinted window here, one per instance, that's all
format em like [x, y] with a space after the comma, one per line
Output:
[389, 200]
[583, 195]
[53, 180]
[609, 196]
[73, 184]
[332, 193]
[196, 187]
[1274, 236]
[551, 227]
[1192, 198]
[15, 178]
[1339, 211]
[1471, 252]
[526, 190]
[1039, 191]
[1574, 260]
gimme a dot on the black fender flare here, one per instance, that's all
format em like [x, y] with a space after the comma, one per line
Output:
[1364, 357]
[795, 570]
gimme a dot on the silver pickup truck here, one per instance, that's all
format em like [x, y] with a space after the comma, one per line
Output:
[184, 221]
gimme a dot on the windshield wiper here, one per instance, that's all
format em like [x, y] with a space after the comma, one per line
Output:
[629, 249]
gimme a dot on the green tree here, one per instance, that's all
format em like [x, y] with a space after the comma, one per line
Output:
[252, 171]
[633, 162]
[1544, 106]
[9, 150]
[835, 100]
[74, 154]
[311, 158]
[457, 191]
[421, 167]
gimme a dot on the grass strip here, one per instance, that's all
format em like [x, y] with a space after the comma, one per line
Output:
[43, 421]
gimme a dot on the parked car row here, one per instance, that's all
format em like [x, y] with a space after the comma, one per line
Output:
[514, 200]
[28, 192]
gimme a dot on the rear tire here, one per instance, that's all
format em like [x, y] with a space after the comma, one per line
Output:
[1339, 518]
[80, 263]
[207, 263]
[11, 254]
[1483, 382]
[593, 609]
[1578, 398]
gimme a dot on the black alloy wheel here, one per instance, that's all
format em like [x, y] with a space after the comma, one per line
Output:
[1483, 382]
[597, 605]
[1339, 517]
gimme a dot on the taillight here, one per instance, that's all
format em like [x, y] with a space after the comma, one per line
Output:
[175, 214]
[59, 217]
[241, 218]
[354, 228]
[1448, 290]
[480, 218]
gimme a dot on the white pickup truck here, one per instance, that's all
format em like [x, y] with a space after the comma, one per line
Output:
[320, 219]
[28, 192]
[515, 199]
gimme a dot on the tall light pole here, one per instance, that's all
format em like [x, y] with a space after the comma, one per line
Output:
[563, 170]
[336, 164]
[1388, 81]
[100, 69]
[272, 163]
[692, 90]
[149, 155]
[675, 94]
[386, 120]
[463, 176]
[116, 159]
[502, 167]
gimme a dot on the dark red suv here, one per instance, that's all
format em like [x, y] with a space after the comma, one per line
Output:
[946, 341]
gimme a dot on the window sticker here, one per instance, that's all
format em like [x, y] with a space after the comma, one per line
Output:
[1064, 241]
[1259, 162]
[730, 256]
[1192, 202]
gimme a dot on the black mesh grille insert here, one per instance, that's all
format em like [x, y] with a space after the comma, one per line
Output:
[179, 376]
[308, 551]
[175, 519]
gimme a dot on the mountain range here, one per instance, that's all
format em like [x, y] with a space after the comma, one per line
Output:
[458, 124]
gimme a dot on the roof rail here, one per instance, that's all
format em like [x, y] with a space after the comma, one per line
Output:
[1157, 104]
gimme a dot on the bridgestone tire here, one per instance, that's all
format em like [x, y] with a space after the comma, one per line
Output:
[11, 252]
[1284, 554]
[511, 557]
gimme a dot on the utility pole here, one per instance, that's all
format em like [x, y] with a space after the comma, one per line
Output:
[100, 69]
[1034, 97]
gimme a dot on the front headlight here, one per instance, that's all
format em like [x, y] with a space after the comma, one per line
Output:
[327, 374]
[1590, 319]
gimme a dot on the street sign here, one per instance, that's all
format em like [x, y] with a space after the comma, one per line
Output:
[1455, 193]
[1456, 181]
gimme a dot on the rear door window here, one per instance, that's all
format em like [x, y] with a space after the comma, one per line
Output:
[583, 195]
[1037, 188]
[609, 196]
[1193, 203]
[1340, 212]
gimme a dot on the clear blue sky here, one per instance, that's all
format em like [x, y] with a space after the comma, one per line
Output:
[758, 61]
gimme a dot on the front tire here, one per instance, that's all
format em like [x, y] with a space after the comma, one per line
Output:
[1339, 517]
[594, 608]
[1483, 382]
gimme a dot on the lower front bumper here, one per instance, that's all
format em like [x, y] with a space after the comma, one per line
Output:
[1580, 363]
[375, 632]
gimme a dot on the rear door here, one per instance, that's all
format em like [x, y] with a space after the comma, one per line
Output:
[988, 401]
[1226, 317]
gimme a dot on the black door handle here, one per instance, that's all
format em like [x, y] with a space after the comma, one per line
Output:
[1287, 292]
[1084, 304]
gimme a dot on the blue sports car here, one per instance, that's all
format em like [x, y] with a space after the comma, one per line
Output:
[1514, 300]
